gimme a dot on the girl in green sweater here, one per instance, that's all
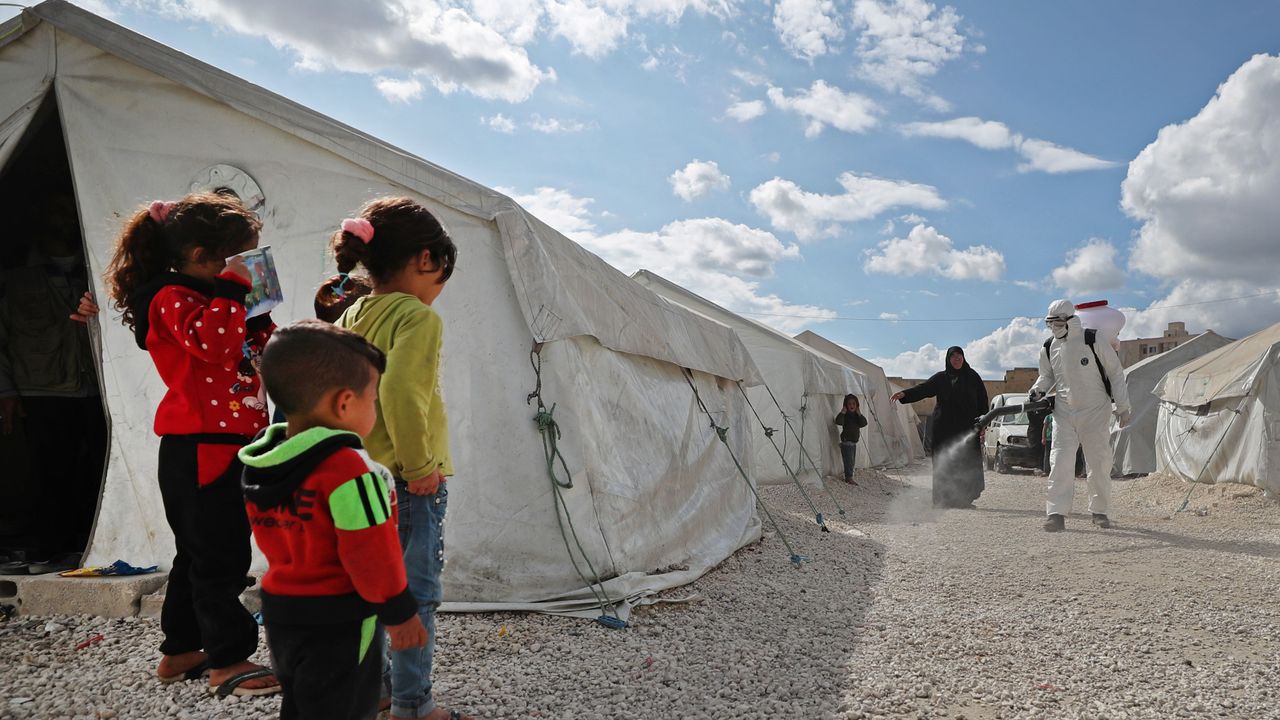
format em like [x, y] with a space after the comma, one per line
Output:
[408, 257]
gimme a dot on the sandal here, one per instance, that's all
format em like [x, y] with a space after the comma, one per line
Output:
[194, 673]
[232, 685]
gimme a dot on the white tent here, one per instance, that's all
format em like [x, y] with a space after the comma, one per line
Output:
[1135, 445]
[910, 419]
[888, 445]
[1220, 415]
[808, 386]
[653, 487]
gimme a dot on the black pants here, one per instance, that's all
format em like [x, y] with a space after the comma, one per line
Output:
[202, 608]
[322, 671]
[67, 438]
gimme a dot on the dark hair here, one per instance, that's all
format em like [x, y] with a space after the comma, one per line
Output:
[339, 293]
[852, 397]
[147, 248]
[401, 230]
[307, 359]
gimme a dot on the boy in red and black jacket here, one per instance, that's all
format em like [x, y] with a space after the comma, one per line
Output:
[325, 517]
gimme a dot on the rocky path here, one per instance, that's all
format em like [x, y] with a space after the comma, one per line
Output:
[901, 612]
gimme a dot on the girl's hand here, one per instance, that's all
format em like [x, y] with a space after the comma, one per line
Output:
[237, 267]
[898, 396]
[427, 485]
[86, 310]
[409, 634]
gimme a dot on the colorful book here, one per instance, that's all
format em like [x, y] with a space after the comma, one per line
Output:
[265, 294]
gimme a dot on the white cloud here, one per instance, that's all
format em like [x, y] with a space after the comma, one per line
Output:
[553, 126]
[1190, 301]
[1039, 155]
[746, 110]
[500, 123]
[1014, 345]
[401, 91]
[1205, 190]
[444, 46]
[718, 259]
[824, 105]
[102, 8]
[516, 20]
[807, 27]
[750, 78]
[812, 215]
[891, 316]
[925, 251]
[1090, 268]
[697, 179]
[560, 209]
[591, 30]
[1047, 157]
[903, 42]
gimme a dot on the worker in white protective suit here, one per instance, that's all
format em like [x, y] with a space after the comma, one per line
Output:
[1069, 366]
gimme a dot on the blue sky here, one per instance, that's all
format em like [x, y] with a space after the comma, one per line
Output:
[872, 158]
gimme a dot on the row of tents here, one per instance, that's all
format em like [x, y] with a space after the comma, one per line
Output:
[1207, 411]
[666, 410]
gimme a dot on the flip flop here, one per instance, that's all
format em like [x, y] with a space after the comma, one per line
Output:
[194, 673]
[15, 567]
[232, 685]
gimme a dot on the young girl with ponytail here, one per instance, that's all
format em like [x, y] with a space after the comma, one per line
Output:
[184, 301]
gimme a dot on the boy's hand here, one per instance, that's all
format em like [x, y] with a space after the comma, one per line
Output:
[10, 408]
[409, 634]
[87, 309]
[427, 485]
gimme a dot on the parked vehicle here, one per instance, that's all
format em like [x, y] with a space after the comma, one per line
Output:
[1005, 445]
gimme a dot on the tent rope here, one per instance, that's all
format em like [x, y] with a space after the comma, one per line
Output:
[768, 432]
[549, 429]
[805, 452]
[1235, 414]
[723, 434]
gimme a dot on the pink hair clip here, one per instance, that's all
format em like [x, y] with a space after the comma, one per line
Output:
[359, 227]
[160, 210]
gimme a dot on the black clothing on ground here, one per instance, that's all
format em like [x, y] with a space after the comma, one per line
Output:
[202, 608]
[961, 399]
[323, 672]
[851, 424]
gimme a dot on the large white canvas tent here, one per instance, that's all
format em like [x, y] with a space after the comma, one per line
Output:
[653, 487]
[910, 419]
[808, 387]
[1135, 445]
[1220, 415]
[888, 445]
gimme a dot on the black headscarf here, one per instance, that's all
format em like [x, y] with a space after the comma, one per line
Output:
[952, 372]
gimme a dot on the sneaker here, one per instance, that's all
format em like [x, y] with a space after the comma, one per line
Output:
[1101, 521]
[1055, 523]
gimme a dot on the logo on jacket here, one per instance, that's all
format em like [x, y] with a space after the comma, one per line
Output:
[1084, 361]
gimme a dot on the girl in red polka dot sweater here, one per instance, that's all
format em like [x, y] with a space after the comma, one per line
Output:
[184, 301]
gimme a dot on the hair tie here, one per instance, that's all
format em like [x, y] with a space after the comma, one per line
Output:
[337, 289]
[359, 227]
[159, 210]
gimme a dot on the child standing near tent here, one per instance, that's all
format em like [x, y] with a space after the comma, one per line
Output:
[184, 302]
[850, 421]
[408, 257]
[325, 518]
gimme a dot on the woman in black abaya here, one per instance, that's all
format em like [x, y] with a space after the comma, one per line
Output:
[957, 454]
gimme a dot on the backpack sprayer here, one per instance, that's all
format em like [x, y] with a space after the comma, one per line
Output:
[1045, 403]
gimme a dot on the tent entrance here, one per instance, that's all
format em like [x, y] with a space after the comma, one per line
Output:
[53, 435]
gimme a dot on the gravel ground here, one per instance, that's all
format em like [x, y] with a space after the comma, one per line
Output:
[902, 612]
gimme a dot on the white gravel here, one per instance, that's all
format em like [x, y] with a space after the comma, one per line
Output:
[902, 612]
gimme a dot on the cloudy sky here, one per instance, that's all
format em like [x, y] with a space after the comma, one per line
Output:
[897, 175]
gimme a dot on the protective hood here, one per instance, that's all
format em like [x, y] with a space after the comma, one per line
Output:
[1061, 312]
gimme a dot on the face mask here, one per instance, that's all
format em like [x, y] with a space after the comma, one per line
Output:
[1057, 326]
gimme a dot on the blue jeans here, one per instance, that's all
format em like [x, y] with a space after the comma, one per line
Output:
[422, 538]
[849, 454]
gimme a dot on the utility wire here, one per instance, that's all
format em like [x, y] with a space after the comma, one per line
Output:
[1006, 318]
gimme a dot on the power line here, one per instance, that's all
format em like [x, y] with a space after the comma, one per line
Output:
[990, 319]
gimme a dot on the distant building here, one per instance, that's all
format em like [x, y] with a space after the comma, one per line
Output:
[1134, 351]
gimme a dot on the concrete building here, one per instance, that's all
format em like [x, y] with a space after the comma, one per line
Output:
[1135, 351]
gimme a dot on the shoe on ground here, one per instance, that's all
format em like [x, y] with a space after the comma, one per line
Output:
[1101, 521]
[1055, 523]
